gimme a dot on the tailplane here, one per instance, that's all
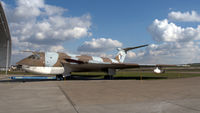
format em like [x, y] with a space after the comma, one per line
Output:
[123, 52]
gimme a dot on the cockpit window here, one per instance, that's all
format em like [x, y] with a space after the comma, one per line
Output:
[35, 56]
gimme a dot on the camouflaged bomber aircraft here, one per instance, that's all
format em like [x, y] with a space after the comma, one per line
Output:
[62, 64]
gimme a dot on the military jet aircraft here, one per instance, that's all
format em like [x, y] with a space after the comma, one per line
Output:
[62, 64]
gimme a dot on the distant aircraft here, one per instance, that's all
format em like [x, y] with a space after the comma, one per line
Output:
[62, 64]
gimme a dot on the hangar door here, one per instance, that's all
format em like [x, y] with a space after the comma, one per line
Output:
[5, 41]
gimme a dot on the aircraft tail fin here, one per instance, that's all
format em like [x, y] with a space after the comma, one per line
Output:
[123, 52]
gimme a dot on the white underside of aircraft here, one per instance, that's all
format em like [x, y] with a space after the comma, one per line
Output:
[44, 70]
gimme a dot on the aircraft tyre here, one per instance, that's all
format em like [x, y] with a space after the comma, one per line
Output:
[59, 77]
[108, 77]
[68, 78]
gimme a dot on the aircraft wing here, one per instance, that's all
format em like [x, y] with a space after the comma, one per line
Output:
[117, 65]
[84, 65]
[100, 67]
[159, 65]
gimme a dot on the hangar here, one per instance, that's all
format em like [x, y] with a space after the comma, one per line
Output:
[5, 41]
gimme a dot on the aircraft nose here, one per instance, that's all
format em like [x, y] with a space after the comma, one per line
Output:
[20, 62]
[25, 66]
[23, 62]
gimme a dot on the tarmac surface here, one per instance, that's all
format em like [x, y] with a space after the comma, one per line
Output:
[101, 96]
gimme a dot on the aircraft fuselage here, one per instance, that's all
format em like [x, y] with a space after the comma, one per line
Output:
[52, 62]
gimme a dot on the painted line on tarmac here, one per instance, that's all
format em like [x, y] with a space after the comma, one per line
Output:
[183, 106]
[166, 100]
[69, 99]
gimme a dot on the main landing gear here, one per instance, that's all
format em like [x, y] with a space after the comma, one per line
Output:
[59, 77]
[62, 77]
[110, 73]
[108, 77]
[65, 76]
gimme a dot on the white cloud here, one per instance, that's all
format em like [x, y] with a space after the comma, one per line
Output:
[38, 26]
[177, 45]
[106, 55]
[192, 16]
[99, 45]
[27, 9]
[170, 32]
[52, 10]
[35, 25]
[170, 53]
[131, 54]
[57, 48]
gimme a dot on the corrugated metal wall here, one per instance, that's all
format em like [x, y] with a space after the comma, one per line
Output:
[5, 40]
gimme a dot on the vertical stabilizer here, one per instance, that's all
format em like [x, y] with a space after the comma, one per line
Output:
[123, 52]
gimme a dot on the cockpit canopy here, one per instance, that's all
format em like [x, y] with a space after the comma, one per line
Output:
[34, 56]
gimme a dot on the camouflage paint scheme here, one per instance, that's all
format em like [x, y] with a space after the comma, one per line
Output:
[63, 63]
[76, 62]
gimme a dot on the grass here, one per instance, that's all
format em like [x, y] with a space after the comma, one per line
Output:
[151, 74]
[128, 74]
[123, 74]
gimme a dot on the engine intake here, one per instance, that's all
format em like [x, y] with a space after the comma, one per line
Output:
[158, 70]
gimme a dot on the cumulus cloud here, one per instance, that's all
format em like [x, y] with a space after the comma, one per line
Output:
[35, 25]
[57, 48]
[170, 53]
[39, 26]
[162, 30]
[192, 16]
[175, 44]
[131, 54]
[106, 55]
[99, 45]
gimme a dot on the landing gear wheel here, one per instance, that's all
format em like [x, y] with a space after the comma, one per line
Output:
[68, 77]
[108, 77]
[59, 77]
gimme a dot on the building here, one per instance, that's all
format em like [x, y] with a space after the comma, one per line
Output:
[5, 41]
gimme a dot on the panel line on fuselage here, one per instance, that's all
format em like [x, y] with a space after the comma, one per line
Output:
[51, 58]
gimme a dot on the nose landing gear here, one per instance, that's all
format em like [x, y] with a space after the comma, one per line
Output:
[63, 77]
[59, 77]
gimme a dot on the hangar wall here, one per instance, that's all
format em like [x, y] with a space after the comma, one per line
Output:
[5, 41]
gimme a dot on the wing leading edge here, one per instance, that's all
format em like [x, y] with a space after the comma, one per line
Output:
[101, 67]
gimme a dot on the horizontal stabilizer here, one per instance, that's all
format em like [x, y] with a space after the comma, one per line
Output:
[130, 48]
[123, 51]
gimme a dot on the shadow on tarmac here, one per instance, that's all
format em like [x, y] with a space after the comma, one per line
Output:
[85, 77]
[100, 77]
[23, 80]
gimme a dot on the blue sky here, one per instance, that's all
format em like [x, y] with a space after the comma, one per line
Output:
[126, 21]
